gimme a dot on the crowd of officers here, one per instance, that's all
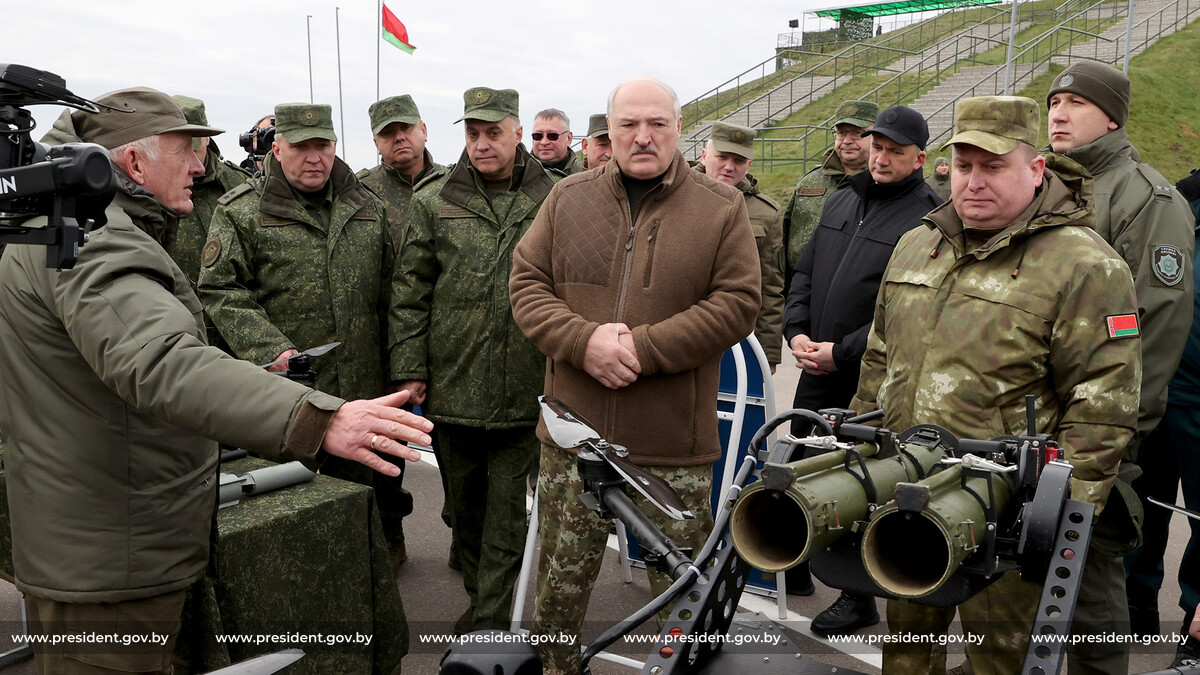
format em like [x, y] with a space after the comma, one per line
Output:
[615, 283]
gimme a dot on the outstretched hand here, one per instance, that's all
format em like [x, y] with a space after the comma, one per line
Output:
[361, 429]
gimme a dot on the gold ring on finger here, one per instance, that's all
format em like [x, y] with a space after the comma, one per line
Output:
[374, 437]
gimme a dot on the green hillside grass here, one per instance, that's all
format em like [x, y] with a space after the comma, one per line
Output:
[1164, 124]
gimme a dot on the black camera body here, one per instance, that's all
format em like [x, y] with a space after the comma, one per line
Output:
[256, 143]
[70, 184]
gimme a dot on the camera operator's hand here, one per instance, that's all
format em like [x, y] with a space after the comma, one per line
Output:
[361, 429]
[282, 365]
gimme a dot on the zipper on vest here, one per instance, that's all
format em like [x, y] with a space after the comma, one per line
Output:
[625, 272]
[650, 252]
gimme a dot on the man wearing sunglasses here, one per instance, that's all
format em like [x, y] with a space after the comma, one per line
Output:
[552, 142]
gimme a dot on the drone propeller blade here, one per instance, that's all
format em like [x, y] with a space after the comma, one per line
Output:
[653, 488]
[567, 428]
[315, 351]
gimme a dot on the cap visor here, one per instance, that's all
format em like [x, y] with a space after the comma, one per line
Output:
[403, 119]
[484, 115]
[302, 134]
[892, 134]
[739, 150]
[856, 121]
[195, 130]
[997, 145]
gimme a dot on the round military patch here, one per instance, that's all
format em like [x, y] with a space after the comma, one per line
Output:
[891, 117]
[391, 109]
[308, 118]
[1168, 264]
[212, 251]
[480, 96]
[849, 109]
[737, 136]
[1066, 80]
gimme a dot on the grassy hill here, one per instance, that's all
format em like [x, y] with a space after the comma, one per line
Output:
[1164, 124]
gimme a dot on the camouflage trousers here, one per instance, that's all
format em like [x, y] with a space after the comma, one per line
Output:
[1003, 614]
[485, 473]
[572, 540]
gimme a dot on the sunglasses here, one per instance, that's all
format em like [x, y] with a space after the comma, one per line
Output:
[552, 135]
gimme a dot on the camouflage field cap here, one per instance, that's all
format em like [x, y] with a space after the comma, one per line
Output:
[393, 109]
[597, 125]
[298, 122]
[997, 124]
[140, 112]
[733, 138]
[489, 105]
[193, 109]
[858, 113]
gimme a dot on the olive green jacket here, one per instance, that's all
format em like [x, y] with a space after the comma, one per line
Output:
[111, 395]
[803, 211]
[1150, 225]
[567, 165]
[220, 176]
[275, 277]
[455, 326]
[396, 190]
[960, 336]
[940, 185]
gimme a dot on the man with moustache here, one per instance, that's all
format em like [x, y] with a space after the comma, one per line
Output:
[633, 326]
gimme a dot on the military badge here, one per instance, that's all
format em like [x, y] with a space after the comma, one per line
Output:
[212, 251]
[1066, 80]
[737, 136]
[308, 118]
[480, 96]
[1167, 262]
[848, 110]
[1122, 326]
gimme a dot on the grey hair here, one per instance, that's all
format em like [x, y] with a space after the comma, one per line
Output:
[148, 147]
[675, 105]
[554, 114]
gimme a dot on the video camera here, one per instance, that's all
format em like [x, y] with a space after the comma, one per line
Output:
[70, 184]
[256, 142]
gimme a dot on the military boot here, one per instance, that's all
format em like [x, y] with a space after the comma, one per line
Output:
[847, 614]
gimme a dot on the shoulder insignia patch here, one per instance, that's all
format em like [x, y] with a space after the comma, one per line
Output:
[212, 251]
[1167, 262]
[1122, 326]
[812, 191]
[235, 193]
[454, 212]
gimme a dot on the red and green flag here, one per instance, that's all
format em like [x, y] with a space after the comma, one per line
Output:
[395, 32]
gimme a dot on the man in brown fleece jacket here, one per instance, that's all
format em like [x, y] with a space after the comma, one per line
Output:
[632, 280]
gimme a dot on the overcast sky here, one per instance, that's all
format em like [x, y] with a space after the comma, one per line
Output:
[243, 57]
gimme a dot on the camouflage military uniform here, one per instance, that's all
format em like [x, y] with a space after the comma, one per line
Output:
[565, 166]
[456, 332]
[940, 293]
[278, 275]
[220, 176]
[767, 223]
[940, 185]
[396, 190]
[803, 210]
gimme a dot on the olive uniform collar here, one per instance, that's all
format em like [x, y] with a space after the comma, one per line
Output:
[1102, 153]
[747, 185]
[430, 169]
[279, 200]
[529, 177]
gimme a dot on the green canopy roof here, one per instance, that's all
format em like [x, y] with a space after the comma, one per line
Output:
[899, 7]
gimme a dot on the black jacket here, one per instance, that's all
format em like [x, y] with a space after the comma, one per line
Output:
[832, 296]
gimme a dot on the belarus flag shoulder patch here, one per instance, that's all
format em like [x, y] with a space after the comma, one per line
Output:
[1122, 326]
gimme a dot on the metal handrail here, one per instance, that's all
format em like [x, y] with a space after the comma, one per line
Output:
[935, 54]
[1057, 52]
[692, 117]
[953, 66]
